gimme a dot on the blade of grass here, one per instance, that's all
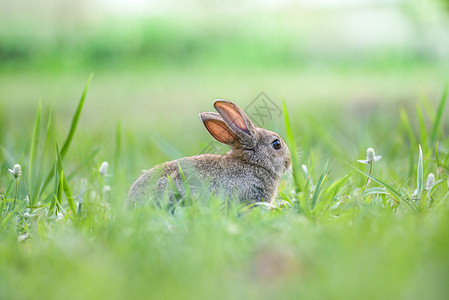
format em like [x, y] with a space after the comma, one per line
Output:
[60, 187]
[20, 206]
[331, 192]
[89, 158]
[294, 155]
[420, 175]
[407, 126]
[72, 130]
[319, 186]
[375, 190]
[392, 192]
[428, 106]
[65, 184]
[34, 146]
[55, 190]
[75, 119]
[39, 185]
[436, 124]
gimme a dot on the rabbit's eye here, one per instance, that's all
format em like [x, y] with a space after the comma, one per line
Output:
[276, 144]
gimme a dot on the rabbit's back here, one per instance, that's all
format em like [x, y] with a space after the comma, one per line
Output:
[226, 175]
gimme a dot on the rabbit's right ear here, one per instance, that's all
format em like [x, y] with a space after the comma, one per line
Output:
[218, 129]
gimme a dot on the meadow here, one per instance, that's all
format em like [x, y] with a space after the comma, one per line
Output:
[346, 224]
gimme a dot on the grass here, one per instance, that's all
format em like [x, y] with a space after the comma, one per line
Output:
[67, 235]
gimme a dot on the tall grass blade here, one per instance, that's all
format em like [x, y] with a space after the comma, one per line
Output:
[65, 185]
[319, 186]
[292, 145]
[420, 175]
[34, 146]
[436, 124]
[407, 126]
[85, 162]
[75, 119]
[54, 198]
[60, 187]
[38, 186]
[48, 130]
[72, 130]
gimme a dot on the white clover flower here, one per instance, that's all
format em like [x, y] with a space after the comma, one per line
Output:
[430, 181]
[16, 171]
[370, 157]
[104, 168]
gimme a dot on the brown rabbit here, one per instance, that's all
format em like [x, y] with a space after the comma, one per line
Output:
[250, 171]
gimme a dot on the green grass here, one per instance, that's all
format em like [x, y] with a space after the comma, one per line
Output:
[327, 236]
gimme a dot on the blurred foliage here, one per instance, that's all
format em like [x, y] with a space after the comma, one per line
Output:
[282, 40]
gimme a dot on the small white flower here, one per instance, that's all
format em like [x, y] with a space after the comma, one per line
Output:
[430, 181]
[104, 168]
[16, 171]
[370, 157]
[60, 216]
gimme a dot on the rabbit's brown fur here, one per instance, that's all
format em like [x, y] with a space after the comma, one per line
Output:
[250, 171]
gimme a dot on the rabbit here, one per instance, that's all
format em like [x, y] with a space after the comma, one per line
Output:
[250, 171]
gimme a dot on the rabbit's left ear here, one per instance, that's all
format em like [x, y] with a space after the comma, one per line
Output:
[218, 128]
[236, 119]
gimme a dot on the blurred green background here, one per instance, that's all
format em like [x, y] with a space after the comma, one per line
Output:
[156, 62]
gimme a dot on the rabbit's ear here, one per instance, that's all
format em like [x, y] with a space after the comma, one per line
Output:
[218, 128]
[236, 119]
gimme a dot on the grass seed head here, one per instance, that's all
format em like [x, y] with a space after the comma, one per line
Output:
[370, 157]
[16, 172]
[104, 168]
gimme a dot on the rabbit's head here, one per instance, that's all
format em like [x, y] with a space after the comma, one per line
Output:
[254, 145]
